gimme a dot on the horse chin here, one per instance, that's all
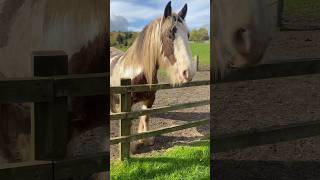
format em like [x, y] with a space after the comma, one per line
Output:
[177, 81]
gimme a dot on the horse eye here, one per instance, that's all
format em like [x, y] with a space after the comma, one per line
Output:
[174, 18]
[174, 30]
[172, 33]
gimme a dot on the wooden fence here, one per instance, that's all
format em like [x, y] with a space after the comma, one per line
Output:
[126, 116]
[48, 91]
[273, 134]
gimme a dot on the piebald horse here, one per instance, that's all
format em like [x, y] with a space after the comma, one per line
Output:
[162, 44]
[75, 26]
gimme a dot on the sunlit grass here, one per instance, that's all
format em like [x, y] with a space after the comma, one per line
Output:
[201, 49]
[179, 162]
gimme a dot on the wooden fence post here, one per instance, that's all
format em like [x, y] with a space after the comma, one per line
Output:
[280, 13]
[50, 119]
[125, 124]
[196, 57]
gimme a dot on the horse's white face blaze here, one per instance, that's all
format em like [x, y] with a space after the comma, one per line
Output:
[183, 69]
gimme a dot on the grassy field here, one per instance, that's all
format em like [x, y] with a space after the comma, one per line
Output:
[179, 162]
[301, 14]
[200, 48]
[298, 7]
[203, 50]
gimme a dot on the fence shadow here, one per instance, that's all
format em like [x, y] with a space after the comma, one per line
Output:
[279, 170]
[188, 116]
[183, 116]
[165, 142]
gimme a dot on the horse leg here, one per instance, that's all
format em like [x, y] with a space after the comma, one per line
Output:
[141, 128]
[144, 122]
[24, 146]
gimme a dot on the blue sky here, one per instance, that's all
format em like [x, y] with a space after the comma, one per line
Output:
[133, 15]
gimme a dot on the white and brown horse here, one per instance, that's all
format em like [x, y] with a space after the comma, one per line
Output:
[80, 29]
[241, 33]
[163, 43]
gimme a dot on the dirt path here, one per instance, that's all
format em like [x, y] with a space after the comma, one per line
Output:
[170, 97]
[256, 104]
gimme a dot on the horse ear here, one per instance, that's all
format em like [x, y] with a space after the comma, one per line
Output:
[167, 10]
[183, 11]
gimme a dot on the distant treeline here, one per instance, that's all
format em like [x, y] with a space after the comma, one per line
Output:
[124, 39]
[120, 39]
[200, 34]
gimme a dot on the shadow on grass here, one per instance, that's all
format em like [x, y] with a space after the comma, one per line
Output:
[165, 142]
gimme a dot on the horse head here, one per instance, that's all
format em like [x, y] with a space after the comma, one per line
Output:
[174, 37]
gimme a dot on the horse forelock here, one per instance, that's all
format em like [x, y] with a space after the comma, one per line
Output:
[167, 42]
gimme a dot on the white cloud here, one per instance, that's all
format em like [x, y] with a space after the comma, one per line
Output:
[198, 13]
[135, 29]
[118, 23]
[133, 11]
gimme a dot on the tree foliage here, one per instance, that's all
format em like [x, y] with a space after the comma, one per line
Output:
[119, 39]
[200, 34]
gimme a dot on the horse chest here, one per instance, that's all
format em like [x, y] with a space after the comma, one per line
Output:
[142, 96]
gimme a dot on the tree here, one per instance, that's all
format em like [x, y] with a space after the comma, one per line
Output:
[113, 39]
[119, 39]
[200, 34]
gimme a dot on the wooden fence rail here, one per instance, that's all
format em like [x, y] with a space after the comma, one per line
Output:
[153, 87]
[264, 136]
[62, 169]
[40, 89]
[276, 68]
[126, 116]
[159, 131]
[135, 114]
[272, 134]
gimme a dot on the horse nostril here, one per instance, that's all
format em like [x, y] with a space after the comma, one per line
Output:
[186, 74]
[242, 40]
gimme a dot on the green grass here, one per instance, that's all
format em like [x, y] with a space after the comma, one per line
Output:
[298, 7]
[123, 48]
[200, 48]
[179, 162]
[203, 50]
